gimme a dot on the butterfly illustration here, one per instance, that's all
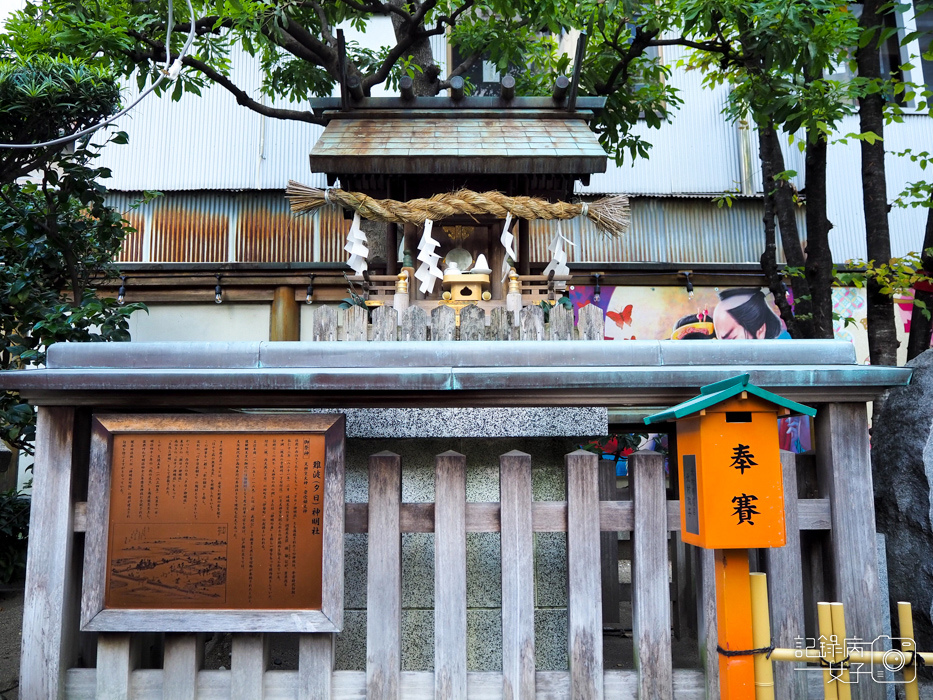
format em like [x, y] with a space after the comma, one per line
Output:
[624, 319]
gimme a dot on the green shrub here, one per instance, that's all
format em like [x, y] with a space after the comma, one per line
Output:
[14, 531]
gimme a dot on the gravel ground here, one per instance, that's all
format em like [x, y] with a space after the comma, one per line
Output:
[11, 621]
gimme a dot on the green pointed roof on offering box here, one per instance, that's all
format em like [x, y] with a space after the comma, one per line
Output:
[715, 393]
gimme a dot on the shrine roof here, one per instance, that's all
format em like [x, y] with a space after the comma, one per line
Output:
[465, 141]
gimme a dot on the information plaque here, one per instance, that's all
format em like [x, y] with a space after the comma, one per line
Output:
[195, 520]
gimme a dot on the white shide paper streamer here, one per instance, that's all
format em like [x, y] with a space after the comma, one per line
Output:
[558, 255]
[428, 272]
[508, 242]
[356, 247]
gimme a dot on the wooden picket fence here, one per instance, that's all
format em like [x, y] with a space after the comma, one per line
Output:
[648, 515]
[416, 323]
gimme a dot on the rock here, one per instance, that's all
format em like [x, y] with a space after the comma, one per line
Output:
[902, 472]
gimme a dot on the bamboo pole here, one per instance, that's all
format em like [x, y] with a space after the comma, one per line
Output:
[761, 637]
[839, 649]
[905, 621]
[825, 623]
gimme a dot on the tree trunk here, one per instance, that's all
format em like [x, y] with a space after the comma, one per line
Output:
[819, 265]
[920, 326]
[882, 336]
[769, 256]
[785, 208]
[425, 81]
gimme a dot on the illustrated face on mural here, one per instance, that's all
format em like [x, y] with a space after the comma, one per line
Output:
[744, 314]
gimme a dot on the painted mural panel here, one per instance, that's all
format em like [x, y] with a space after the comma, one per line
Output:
[660, 313]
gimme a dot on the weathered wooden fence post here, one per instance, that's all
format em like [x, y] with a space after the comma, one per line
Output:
[501, 324]
[651, 598]
[385, 323]
[532, 323]
[561, 323]
[384, 588]
[785, 588]
[414, 324]
[49, 626]
[472, 323]
[324, 323]
[584, 608]
[590, 322]
[708, 630]
[844, 468]
[443, 323]
[450, 607]
[356, 323]
[518, 580]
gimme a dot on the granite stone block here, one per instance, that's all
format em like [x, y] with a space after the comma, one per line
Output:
[550, 569]
[484, 570]
[350, 645]
[417, 640]
[356, 564]
[418, 570]
[484, 639]
[551, 632]
[473, 422]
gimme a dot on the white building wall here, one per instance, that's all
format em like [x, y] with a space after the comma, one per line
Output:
[191, 322]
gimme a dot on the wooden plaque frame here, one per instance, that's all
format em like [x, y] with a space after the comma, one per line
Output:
[95, 617]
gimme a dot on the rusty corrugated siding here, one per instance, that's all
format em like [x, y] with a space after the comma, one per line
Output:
[190, 229]
[268, 232]
[333, 235]
[132, 248]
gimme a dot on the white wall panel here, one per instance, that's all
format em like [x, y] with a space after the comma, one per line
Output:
[191, 322]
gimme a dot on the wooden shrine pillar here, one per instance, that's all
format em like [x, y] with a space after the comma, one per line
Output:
[285, 319]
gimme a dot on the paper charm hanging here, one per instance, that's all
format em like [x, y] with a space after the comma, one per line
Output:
[558, 262]
[508, 242]
[356, 247]
[428, 272]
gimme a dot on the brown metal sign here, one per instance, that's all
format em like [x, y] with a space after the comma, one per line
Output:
[207, 520]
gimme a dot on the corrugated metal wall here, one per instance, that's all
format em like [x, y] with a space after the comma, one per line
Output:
[210, 142]
[189, 228]
[229, 227]
[132, 249]
[268, 232]
[845, 197]
[666, 230]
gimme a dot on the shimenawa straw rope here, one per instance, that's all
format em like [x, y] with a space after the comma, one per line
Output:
[609, 214]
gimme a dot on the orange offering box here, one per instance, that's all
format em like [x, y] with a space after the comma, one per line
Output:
[729, 466]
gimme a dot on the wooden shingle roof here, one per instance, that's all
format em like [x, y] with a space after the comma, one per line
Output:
[465, 142]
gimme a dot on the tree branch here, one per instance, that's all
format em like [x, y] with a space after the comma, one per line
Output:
[242, 97]
[639, 43]
[377, 8]
[464, 66]
[411, 37]
[244, 100]
[325, 25]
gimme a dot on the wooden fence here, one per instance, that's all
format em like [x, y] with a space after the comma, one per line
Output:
[415, 323]
[174, 667]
